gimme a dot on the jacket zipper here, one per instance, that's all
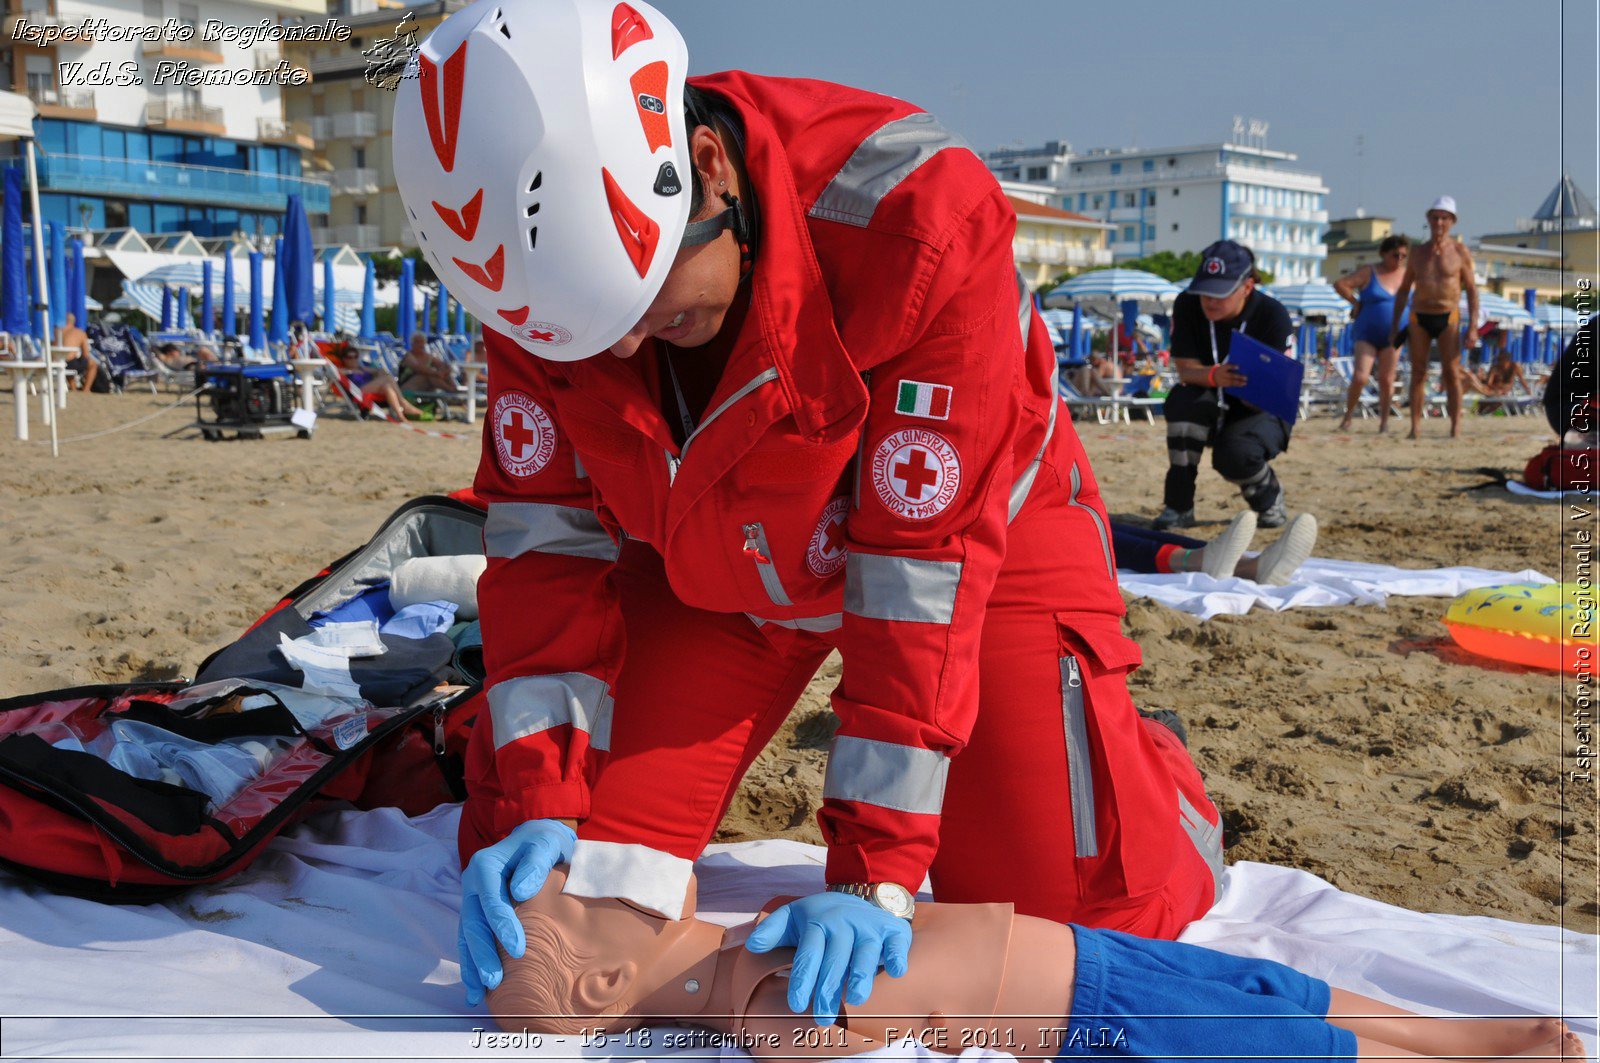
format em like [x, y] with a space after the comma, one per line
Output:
[757, 549]
[1080, 773]
[1099, 523]
[673, 463]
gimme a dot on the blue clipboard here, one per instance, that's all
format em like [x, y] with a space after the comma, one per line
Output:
[1272, 377]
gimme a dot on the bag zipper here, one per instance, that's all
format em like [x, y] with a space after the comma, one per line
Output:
[757, 549]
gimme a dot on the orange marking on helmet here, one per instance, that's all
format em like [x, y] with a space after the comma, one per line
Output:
[649, 92]
[516, 317]
[491, 274]
[463, 223]
[639, 233]
[443, 130]
[628, 28]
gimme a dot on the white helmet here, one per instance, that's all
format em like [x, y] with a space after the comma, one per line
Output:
[542, 155]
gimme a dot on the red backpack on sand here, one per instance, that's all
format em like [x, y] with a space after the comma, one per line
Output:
[81, 812]
[1557, 468]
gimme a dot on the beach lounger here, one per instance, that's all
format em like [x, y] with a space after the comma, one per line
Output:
[123, 355]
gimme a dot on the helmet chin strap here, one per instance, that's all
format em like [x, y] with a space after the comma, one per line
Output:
[733, 220]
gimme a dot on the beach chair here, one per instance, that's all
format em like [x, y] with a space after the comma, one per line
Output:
[1105, 408]
[1135, 396]
[123, 355]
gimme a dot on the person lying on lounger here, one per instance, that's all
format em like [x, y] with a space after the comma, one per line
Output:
[1146, 550]
[972, 975]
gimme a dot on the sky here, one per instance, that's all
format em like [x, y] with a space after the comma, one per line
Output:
[1479, 100]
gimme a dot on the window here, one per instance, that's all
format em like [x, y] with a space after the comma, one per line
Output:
[1038, 173]
[1174, 226]
[1149, 198]
[1098, 200]
[1172, 162]
[1128, 234]
[1174, 191]
[1083, 200]
[189, 15]
[1116, 167]
[361, 214]
[1149, 164]
[360, 155]
[1127, 199]
[1149, 232]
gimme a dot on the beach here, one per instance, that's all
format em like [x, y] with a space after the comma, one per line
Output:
[1353, 742]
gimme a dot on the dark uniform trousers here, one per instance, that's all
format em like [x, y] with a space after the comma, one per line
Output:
[1241, 448]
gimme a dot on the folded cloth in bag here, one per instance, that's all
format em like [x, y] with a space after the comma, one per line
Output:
[453, 578]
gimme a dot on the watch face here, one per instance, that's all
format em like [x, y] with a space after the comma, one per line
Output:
[894, 899]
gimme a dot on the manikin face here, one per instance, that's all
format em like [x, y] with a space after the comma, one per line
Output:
[1228, 307]
[1439, 223]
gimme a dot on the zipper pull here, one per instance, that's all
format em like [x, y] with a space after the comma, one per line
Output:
[672, 468]
[752, 544]
[438, 730]
[1074, 677]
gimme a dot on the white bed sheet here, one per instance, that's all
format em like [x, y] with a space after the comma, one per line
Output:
[1320, 581]
[339, 942]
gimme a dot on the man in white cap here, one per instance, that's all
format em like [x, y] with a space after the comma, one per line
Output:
[1438, 270]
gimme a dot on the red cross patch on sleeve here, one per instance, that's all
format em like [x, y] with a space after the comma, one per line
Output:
[916, 473]
[524, 435]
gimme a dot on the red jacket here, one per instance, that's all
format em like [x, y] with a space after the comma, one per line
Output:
[884, 279]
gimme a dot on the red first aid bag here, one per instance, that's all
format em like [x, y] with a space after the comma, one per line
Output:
[1558, 468]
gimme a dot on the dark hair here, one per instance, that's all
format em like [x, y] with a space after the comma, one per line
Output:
[696, 112]
[1394, 243]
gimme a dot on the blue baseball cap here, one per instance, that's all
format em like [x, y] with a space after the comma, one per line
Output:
[1223, 267]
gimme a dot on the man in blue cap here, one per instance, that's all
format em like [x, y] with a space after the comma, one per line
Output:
[1244, 438]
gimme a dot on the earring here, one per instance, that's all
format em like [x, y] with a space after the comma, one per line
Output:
[722, 184]
[692, 986]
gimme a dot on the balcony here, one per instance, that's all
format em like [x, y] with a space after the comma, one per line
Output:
[1058, 254]
[351, 125]
[34, 18]
[289, 134]
[176, 182]
[357, 236]
[359, 181]
[352, 62]
[64, 103]
[184, 117]
[193, 50]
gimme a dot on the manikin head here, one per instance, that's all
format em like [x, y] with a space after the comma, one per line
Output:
[603, 964]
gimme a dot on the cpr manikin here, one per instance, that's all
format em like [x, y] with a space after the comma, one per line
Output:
[604, 966]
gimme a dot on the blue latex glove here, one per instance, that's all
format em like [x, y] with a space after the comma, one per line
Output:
[521, 861]
[834, 935]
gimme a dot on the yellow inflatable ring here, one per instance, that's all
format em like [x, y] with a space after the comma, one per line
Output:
[1543, 625]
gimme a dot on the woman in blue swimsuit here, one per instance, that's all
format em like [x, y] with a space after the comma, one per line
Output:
[1370, 290]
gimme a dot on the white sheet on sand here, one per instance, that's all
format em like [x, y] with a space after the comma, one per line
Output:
[340, 942]
[1320, 581]
[1517, 487]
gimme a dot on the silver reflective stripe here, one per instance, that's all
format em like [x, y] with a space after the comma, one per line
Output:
[879, 164]
[904, 778]
[887, 587]
[1024, 484]
[815, 624]
[1187, 430]
[516, 528]
[1025, 308]
[1183, 458]
[1080, 773]
[1099, 521]
[1207, 837]
[764, 377]
[533, 703]
[577, 466]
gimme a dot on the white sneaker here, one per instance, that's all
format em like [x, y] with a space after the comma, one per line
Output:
[1222, 554]
[1279, 562]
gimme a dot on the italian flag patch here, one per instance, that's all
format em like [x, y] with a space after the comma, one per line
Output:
[917, 399]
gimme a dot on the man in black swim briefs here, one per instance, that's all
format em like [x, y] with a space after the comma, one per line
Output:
[1439, 270]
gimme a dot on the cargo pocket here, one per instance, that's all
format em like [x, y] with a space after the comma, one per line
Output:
[1115, 796]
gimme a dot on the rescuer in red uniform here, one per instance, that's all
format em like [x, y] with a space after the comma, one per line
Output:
[765, 383]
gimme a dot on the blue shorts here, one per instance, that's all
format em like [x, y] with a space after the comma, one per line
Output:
[1159, 1000]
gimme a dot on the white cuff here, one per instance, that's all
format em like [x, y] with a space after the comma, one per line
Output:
[648, 877]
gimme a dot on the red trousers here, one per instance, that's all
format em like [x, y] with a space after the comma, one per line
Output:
[1128, 841]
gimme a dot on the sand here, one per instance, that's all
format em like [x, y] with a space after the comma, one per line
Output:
[1354, 742]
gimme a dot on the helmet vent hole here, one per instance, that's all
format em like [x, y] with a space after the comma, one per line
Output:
[533, 236]
[505, 31]
[538, 179]
[532, 210]
[412, 213]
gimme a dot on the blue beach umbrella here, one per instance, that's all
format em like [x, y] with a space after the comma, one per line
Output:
[184, 319]
[13, 262]
[58, 272]
[461, 319]
[295, 260]
[77, 283]
[166, 309]
[427, 311]
[1075, 337]
[1530, 303]
[207, 307]
[228, 314]
[405, 321]
[444, 309]
[258, 334]
[369, 296]
[327, 294]
[278, 330]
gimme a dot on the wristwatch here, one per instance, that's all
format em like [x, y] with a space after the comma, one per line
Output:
[890, 896]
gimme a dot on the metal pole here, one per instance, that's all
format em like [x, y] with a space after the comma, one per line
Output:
[44, 299]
